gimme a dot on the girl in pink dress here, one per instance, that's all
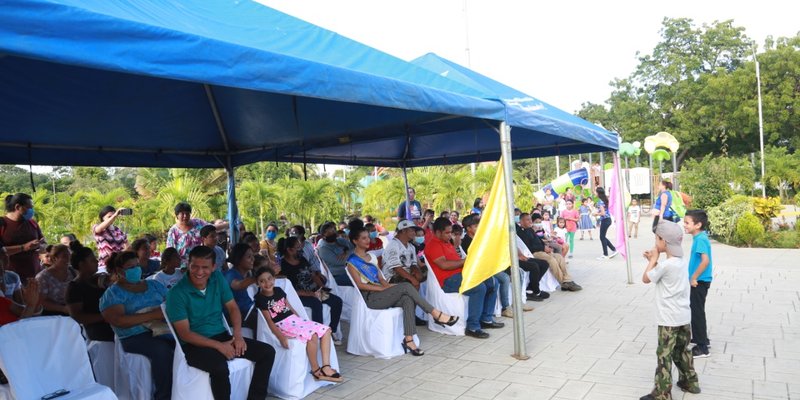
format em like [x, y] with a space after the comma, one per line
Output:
[285, 324]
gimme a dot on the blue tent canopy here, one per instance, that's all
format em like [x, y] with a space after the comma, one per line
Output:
[216, 83]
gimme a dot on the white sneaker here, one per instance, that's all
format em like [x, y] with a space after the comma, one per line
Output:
[612, 255]
[602, 258]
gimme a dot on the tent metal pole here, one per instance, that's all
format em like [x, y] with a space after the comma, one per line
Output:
[622, 224]
[233, 209]
[520, 352]
[408, 200]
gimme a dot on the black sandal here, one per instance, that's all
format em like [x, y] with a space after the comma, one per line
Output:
[335, 377]
[452, 321]
[414, 352]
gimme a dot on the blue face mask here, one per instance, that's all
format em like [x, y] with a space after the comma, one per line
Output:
[516, 218]
[133, 275]
[373, 235]
[271, 235]
[346, 231]
[28, 214]
[419, 239]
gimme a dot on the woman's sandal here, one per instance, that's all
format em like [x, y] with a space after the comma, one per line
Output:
[414, 352]
[320, 374]
[452, 321]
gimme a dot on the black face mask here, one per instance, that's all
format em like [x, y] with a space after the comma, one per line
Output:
[330, 238]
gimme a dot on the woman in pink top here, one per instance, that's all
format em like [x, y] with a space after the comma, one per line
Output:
[571, 216]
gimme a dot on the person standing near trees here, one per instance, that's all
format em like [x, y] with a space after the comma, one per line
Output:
[109, 238]
[414, 207]
[20, 236]
[605, 223]
[185, 234]
[663, 205]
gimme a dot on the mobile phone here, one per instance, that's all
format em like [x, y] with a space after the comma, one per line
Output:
[57, 393]
[125, 211]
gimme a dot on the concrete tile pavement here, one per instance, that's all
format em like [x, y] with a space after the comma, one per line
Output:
[600, 343]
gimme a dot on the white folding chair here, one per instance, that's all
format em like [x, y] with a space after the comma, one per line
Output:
[101, 355]
[292, 379]
[190, 383]
[450, 303]
[46, 354]
[133, 375]
[376, 333]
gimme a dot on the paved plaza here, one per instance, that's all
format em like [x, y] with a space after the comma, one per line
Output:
[600, 343]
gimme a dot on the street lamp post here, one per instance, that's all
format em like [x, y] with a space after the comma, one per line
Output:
[760, 124]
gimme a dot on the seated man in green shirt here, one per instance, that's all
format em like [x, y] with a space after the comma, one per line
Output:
[194, 306]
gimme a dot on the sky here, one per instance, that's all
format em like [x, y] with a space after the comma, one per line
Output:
[562, 52]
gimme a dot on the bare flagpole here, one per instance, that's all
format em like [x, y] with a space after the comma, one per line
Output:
[520, 352]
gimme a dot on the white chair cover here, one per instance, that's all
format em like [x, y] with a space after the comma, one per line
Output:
[44, 354]
[190, 383]
[376, 333]
[548, 283]
[526, 276]
[133, 375]
[451, 303]
[291, 379]
[346, 293]
[326, 310]
[101, 355]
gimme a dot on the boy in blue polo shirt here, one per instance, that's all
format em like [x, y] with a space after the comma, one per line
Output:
[701, 265]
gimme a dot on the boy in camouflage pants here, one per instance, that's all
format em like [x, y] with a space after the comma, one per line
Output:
[674, 315]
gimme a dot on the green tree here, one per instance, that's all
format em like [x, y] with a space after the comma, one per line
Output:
[782, 170]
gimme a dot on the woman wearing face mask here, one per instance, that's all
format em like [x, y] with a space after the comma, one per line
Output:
[109, 238]
[374, 242]
[21, 236]
[268, 246]
[132, 306]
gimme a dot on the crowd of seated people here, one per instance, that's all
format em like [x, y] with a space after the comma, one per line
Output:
[118, 291]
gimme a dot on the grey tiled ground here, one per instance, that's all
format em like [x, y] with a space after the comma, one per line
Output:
[600, 343]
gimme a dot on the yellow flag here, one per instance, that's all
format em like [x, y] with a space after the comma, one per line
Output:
[488, 254]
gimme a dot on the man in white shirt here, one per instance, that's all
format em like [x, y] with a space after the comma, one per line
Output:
[400, 262]
[671, 279]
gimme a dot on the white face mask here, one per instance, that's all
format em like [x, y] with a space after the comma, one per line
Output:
[537, 225]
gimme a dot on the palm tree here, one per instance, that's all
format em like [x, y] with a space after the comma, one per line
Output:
[256, 199]
[782, 169]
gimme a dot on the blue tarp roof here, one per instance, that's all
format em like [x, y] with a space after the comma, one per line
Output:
[140, 82]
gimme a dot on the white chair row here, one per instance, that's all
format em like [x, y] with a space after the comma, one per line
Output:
[56, 360]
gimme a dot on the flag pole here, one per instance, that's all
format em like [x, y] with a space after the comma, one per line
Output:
[520, 352]
[622, 224]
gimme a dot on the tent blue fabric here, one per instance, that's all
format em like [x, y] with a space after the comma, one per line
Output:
[212, 83]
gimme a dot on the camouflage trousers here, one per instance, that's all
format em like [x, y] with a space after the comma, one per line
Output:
[672, 342]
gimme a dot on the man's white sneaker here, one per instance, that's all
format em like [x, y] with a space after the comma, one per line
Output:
[601, 258]
[612, 255]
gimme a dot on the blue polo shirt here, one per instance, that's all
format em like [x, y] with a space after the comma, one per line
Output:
[701, 245]
[204, 311]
